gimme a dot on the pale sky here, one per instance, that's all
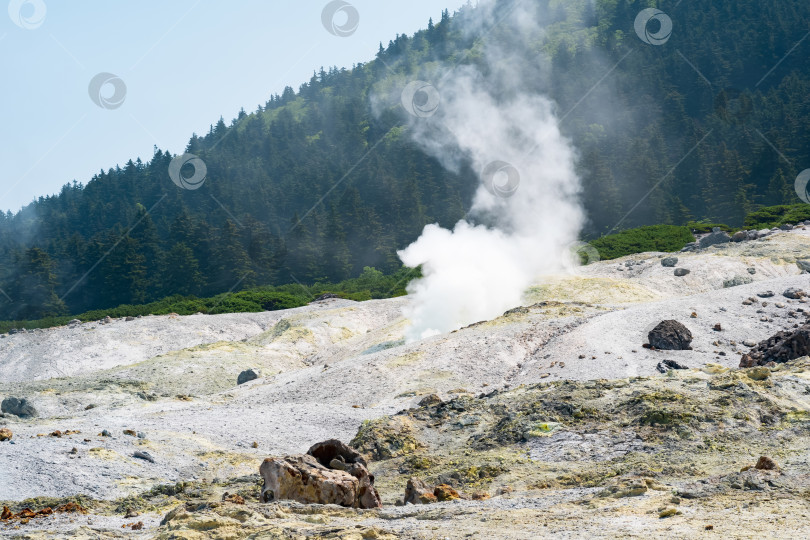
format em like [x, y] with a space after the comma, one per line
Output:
[184, 63]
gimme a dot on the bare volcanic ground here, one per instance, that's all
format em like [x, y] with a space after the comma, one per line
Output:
[553, 416]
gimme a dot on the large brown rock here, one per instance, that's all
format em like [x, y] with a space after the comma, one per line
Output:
[330, 473]
[780, 347]
[670, 336]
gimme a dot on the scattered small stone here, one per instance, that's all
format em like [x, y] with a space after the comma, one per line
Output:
[130, 432]
[766, 464]
[105, 433]
[709, 527]
[91, 406]
[751, 270]
[737, 281]
[779, 304]
[254, 445]
[794, 294]
[144, 455]
[5, 434]
[233, 498]
[680, 272]
[668, 512]
[693, 315]
[766, 294]
[131, 514]
[717, 328]
[74, 450]
[669, 262]
[141, 435]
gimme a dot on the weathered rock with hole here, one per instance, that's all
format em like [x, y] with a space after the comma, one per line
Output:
[670, 336]
[330, 473]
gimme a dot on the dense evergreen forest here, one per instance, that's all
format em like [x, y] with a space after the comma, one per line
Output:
[319, 183]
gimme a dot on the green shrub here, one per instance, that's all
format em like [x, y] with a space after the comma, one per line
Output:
[706, 227]
[666, 238]
[774, 216]
[370, 284]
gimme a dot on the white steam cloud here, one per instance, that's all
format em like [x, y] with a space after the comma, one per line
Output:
[519, 227]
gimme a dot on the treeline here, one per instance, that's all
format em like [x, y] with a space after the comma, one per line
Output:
[319, 183]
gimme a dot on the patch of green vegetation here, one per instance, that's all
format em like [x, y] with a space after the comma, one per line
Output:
[665, 238]
[774, 216]
[371, 284]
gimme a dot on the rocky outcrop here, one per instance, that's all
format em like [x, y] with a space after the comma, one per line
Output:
[794, 294]
[716, 237]
[779, 348]
[18, 407]
[670, 336]
[329, 473]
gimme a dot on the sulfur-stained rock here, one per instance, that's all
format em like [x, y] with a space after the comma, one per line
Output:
[5, 434]
[301, 478]
[386, 438]
[338, 456]
[443, 492]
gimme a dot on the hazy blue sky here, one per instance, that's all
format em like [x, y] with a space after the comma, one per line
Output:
[185, 63]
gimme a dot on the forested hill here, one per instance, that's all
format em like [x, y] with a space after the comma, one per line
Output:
[318, 183]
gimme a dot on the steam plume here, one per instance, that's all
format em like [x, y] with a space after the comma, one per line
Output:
[525, 212]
